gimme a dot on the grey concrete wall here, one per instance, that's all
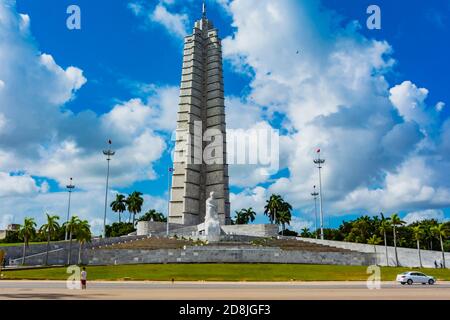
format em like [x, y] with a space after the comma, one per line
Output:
[55, 257]
[152, 227]
[15, 252]
[407, 257]
[253, 230]
[226, 255]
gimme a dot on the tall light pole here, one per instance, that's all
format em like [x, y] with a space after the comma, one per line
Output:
[319, 162]
[169, 171]
[70, 188]
[108, 153]
[315, 194]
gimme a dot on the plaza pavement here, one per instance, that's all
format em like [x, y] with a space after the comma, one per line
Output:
[147, 290]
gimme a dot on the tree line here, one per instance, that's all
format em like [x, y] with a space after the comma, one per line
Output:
[51, 230]
[390, 231]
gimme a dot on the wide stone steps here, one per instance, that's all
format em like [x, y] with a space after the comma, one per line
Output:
[155, 243]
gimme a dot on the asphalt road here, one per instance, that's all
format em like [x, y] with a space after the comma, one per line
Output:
[222, 291]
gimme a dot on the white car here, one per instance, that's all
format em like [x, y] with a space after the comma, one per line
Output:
[415, 277]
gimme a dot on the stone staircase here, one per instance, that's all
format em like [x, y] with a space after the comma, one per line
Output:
[228, 242]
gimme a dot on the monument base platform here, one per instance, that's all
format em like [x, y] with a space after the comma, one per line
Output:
[146, 228]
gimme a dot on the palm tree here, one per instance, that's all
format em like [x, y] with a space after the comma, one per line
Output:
[153, 215]
[374, 240]
[427, 226]
[385, 226]
[440, 231]
[272, 206]
[245, 216]
[27, 231]
[119, 205]
[283, 217]
[396, 221]
[239, 218]
[418, 234]
[71, 227]
[305, 233]
[249, 214]
[83, 235]
[134, 203]
[49, 229]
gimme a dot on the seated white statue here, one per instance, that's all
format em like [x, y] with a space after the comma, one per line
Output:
[212, 222]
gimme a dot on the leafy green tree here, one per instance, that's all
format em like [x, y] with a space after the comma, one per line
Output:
[153, 215]
[119, 229]
[360, 231]
[134, 204]
[289, 233]
[441, 232]
[119, 205]
[71, 227]
[49, 229]
[427, 226]
[396, 221]
[26, 232]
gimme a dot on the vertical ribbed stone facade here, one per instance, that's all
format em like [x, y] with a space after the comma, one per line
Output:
[201, 111]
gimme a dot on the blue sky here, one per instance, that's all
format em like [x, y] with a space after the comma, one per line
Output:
[375, 101]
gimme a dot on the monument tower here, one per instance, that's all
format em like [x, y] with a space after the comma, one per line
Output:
[200, 123]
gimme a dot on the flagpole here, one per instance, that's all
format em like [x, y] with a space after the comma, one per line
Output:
[319, 162]
[108, 153]
[168, 199]
[315, 194]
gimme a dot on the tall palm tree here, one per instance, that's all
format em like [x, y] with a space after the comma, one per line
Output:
[49, 229]
[71, 227]
[134, 204]
[27, 230]
[418, 234]
[283, 217]
[385, 226]
[83, 235]
[272, 206]
[396, 221]
[441, 232]
[119, 205]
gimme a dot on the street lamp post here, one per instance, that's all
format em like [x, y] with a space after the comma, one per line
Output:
[319, 162]
[315, 194]
[169, 171]
[108, 153]
[70, 188]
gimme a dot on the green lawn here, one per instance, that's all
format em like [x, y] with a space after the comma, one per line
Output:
[221, 272]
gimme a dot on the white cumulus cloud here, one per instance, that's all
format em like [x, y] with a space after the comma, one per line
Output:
[418, 216]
